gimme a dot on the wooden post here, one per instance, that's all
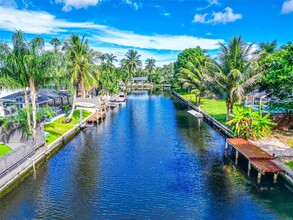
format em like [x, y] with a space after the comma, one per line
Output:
[275, 177]
[249, 168]
[236, 157]
[226, 146]
[259, 177]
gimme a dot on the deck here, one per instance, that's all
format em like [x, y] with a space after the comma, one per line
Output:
[195, 114]
[95, 117]
[260, 159]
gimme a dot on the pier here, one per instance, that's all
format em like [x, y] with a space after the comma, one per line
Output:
[258, 158]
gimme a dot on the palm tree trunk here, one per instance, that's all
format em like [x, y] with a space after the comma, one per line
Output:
[198, 104]
[82, 87]
[28, 115]
[73, 103]
[33, 95]
[228, 110]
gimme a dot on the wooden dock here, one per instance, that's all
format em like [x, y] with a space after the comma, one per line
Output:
[96, 116]
[258, 158]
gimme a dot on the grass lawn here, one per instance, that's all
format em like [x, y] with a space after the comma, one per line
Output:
[290, 142]
[57, 128]
[213, 107]
[290, 164]
[4, 149]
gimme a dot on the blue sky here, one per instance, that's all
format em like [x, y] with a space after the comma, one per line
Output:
[158, 29]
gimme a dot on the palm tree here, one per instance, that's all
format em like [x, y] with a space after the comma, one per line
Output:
[235, 72]
[13, 73]
[131, 62]
[80, 68]
[196, 75]
[150, 66]
[56, 43]
[266, 48]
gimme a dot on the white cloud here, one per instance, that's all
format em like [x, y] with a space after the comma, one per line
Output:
[133, 3]
[211, 3]
[77, 4]
[199, 18]
[167, 14]
[164, 48]
[287, 7]
[38, 22]
[217, 17]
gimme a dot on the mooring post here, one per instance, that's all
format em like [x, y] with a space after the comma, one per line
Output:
[249, 168]
[198, 123]
[275, 177]
[236, 157]
[226, 145]
[259, 177]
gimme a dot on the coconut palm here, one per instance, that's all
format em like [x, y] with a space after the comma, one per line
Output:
[13, 73]
[196, 75]
[131, 62]
[150, 66]
[235, 72]
[56, 43]
[80, 69]
[266, 48]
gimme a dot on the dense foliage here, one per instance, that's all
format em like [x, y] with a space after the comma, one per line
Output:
[250, 124]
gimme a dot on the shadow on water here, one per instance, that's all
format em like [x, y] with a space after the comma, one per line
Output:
[149, 159]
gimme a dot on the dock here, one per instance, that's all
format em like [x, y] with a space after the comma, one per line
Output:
[258, 158]
[96, 116]
[195, 114]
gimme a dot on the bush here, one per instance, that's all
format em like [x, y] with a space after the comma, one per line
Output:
[250, 124]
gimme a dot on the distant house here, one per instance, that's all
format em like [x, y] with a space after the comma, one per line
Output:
[11, 101]
[139, 79]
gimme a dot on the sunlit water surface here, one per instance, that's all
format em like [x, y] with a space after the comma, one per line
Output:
[147, 160]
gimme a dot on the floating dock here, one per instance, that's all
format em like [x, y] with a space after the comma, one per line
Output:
[195, 114]
[258, 158]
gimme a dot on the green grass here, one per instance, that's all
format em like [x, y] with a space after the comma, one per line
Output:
[4, 149]
[57, 128]
[290, 164]
[215, 108]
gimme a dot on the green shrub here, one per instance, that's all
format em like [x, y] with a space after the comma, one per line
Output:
[250, 124]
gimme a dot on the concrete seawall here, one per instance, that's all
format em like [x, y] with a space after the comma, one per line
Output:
[15, 176]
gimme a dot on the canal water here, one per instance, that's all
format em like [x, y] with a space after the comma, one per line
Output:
[147, 160]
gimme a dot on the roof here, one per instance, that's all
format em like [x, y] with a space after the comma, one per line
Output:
[45, 95]
[248, 149]
[139, 78]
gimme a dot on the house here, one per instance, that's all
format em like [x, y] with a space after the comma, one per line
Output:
[10, 101]
[139, 79]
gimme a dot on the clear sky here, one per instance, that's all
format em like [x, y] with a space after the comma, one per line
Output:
[159, 29]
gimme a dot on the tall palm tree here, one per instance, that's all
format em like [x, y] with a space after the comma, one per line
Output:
[131, 62]
[80, 68]
[56, 43]
[196, 75]
[150, 66]
[235, 72]
[12, 68]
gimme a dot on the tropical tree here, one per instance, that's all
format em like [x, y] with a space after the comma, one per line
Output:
[195, 75]
[80, 69]
[12, 68]
[235, 73]
[56, 43]
[131, 62]
[150, 66]
[247, 123]
[266, 48]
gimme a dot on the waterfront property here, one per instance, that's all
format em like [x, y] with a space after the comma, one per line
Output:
[147, 160]
[12, 100]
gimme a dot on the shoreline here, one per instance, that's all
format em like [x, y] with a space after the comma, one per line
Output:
[13, 178]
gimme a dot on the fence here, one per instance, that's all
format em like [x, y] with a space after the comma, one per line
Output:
[24, 150]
